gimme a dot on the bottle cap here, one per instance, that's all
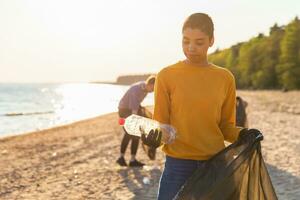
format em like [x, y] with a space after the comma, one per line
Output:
[121, 121]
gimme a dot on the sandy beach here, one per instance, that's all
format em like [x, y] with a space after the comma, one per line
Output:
[77, 161]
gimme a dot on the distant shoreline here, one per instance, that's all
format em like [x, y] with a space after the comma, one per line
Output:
[125, 80]
[106, 82]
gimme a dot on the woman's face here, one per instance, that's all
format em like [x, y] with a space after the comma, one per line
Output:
[195, 44]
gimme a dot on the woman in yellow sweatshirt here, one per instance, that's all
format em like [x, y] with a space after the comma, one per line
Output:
[198, 99]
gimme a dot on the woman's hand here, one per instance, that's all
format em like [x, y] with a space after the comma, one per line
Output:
[244, 132]
[153, 139]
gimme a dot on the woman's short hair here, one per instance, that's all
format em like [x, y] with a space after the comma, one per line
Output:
[200, 21]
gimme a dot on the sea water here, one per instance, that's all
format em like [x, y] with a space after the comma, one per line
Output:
[31, 107]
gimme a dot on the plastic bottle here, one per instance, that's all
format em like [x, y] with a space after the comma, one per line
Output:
[137, 125]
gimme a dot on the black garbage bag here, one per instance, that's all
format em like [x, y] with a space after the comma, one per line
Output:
[237, 172]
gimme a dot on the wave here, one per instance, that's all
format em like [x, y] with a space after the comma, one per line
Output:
[27, 113]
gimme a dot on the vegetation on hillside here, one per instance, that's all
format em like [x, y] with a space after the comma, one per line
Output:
[265, 62]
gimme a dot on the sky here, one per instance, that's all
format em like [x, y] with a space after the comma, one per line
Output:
[98, 40]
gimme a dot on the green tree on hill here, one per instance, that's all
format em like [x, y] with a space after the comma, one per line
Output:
[289, 64]
[232, 61]
[265, 62]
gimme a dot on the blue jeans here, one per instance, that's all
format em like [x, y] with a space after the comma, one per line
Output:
[175, 174]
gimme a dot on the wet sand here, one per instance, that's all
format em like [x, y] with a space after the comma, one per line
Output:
[77, 161]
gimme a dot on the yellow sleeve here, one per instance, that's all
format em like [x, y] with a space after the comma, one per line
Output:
[227, 124]
[161, 101]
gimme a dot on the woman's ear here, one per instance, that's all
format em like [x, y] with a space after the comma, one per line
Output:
[211, 42]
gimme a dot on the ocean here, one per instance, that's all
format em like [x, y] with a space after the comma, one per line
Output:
[31, 107]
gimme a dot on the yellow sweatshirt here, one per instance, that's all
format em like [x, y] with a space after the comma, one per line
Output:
[200, 103]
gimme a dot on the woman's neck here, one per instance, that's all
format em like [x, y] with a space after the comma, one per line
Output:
[203, 63]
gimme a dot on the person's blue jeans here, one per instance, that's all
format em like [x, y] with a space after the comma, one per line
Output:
[175, 174]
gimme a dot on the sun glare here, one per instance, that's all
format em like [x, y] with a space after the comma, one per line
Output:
[79, 101]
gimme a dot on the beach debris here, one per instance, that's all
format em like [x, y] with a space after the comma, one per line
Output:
[146, 180]
[4, 152]
[75, 172]
[151, 167]
[106, 161]
[148, 167]
[54, 154]
[156, 164]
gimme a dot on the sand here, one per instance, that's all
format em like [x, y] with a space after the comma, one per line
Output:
[77, 161]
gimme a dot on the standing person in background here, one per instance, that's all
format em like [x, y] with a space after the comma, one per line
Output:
[131, 104]
[241, 114]
[198, 99]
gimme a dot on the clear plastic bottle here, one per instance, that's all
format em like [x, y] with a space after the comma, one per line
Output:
[136, 125]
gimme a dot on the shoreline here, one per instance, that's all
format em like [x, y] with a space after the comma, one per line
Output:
[53, 127]
[150, 107]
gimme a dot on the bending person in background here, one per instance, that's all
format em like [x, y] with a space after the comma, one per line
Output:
[241, 114]
[131, 104]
